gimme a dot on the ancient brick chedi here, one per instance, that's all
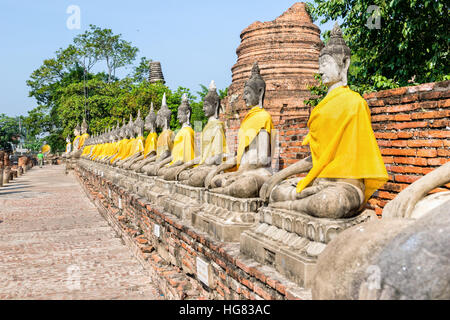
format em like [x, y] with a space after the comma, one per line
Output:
[287, 51]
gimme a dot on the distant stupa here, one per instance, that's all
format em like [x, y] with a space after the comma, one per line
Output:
[156, 72]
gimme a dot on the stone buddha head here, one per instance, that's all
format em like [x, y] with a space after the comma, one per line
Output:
[123, 132]
[68, 139]
[150, 120]
[84, 127]
[211, 102]
[184, 111]
[164, 115]
[77, 130]
[255, 88]
[334, 59]
[139, 125]
[129, 128]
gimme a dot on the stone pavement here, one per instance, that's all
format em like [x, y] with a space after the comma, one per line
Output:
[54, 244]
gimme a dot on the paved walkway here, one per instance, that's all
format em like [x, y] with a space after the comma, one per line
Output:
[55, 245]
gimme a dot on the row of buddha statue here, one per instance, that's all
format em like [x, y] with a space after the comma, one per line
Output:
[344, 170]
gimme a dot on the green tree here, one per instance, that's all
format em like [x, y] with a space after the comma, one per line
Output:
[411, 45]
[9, 132]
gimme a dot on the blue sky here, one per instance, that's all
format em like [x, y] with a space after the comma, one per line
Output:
[195, 40]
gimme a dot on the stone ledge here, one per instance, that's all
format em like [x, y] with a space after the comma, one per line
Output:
[172, 260]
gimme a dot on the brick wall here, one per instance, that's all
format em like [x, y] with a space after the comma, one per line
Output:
[170, 258]
[412, 128]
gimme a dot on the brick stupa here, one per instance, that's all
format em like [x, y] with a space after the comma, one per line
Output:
[287, 51]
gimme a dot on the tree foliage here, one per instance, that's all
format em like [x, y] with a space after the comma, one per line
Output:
[411, 46]
[67, 89]
[9, 132]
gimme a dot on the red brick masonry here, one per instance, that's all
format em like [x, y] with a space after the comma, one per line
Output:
[171, 258]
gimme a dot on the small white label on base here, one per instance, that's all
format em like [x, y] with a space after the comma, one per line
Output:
[109, 193]
[120, 203]
[156, 230]
[203, 271]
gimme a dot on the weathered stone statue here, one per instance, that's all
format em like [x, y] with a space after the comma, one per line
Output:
[136, 144]
[114, 144]
[68, 146]
[150, 142]
[213, 144]
[123, 144]
[183, 148]
[344, 170]
[345, 167]
[253, 161]
[403, 256]
[80, 137]
[164, 144]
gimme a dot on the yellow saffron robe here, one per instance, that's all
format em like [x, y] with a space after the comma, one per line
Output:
[87, 150]
[75, 142]
[165, 142]
[150, 143]
[255, 120]
[135, 145]
[121, 149]
[46, 149]
[342, 142]
[213, 131]
[82, 140]
[183, 148]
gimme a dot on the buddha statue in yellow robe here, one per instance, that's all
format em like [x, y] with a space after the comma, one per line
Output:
[252, 165]
[137, 143]
[164, 144]
[80, 137]
[68, 146]
[122, 148]
[345, 167]
[213, 144]
[183, 147]
[150, 142]
[113, 146]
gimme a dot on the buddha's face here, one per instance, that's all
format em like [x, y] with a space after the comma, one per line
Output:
[182, 116]
[76, 132]
[330, 70]
[209, 109]
[149, 124]
[251, 97]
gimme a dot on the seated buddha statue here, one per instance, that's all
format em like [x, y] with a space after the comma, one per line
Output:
[150, 146]
[104, 144]
[213, 144]
[88, 147]
[98, 146]
[150, 143]
[68, 146]
[80, 137]
[111, 150]
[136, 144]
[345, 167]
[252, 165]
[183, 146]
[164, 144]
[122, 150]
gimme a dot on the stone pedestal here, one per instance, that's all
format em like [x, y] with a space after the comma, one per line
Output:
[291, 242]
[184, 201]
[225, 217]
[1, 177]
